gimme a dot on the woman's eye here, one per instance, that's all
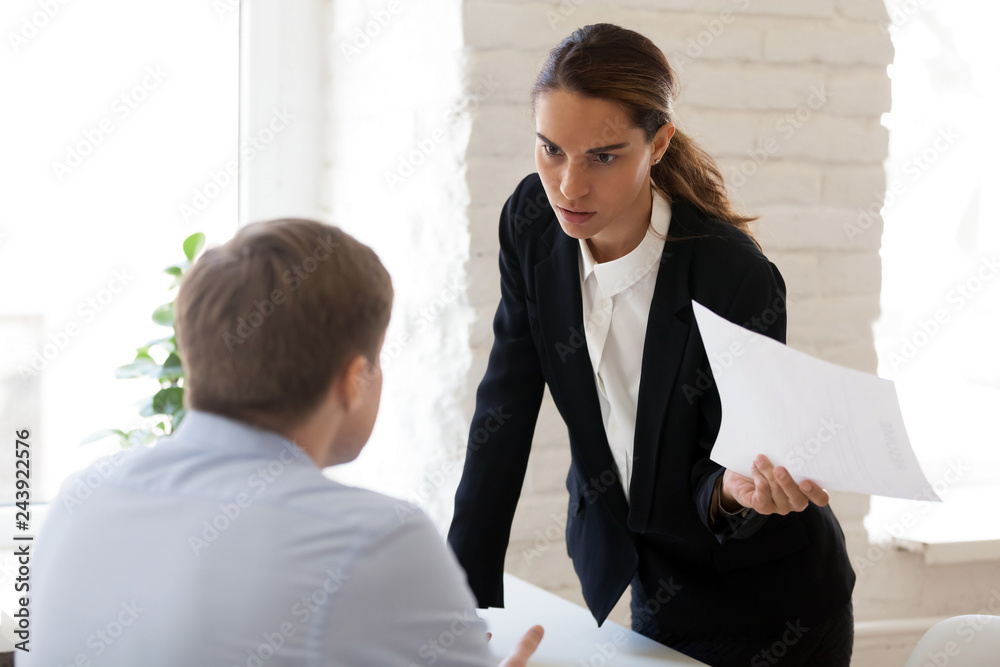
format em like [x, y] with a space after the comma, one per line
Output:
[605, 158]
[550, 149]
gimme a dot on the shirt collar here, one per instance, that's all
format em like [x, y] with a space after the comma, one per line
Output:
[220, 432]
[620, 274]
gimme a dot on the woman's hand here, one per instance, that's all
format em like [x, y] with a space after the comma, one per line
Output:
[770, 491]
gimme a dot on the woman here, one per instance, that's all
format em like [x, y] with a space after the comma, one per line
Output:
[601, 253]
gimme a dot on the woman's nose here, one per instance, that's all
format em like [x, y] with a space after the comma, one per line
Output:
[574, 183]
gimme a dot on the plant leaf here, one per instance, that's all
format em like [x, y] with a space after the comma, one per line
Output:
[193, 245]
[167, 344]
[173, 270]
[100, 435]
[168, 401]
[172, 369]
[178, 418]
[139, 436]
[146, 407]
[164, 315]
[142, 365]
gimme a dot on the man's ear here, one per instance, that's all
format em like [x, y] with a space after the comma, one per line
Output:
[352, 381]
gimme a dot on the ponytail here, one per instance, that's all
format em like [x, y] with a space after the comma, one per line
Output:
[687, 171]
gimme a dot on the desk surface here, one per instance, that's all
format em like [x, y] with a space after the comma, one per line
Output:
[571, 633]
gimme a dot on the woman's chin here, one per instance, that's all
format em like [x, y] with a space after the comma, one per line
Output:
[575, 231]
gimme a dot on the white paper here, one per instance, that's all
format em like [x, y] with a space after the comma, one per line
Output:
[837, 426]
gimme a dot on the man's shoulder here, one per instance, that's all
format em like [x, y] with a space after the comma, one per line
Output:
[185, 472]
[335, 501]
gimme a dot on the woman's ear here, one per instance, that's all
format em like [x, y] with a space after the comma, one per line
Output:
[662, 140]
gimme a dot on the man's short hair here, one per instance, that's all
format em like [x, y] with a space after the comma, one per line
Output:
[267, 320]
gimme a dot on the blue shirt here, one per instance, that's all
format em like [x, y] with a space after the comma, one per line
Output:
[226, 545]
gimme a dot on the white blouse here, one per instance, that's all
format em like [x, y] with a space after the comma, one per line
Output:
[616, 299]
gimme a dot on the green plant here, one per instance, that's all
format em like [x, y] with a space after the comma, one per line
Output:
[165, 408]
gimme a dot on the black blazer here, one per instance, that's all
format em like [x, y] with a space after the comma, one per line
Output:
[743, 576]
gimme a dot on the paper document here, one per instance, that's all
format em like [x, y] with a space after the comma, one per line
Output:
[839, 427]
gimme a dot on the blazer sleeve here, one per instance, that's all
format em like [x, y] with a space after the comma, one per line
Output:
[759, 304]
[507, 405]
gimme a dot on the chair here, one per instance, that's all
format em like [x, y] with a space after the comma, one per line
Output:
[961, 641]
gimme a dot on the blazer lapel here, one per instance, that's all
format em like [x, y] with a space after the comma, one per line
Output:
[662, 352]
[557, 289]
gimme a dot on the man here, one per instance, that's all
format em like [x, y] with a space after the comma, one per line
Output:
[225, 544]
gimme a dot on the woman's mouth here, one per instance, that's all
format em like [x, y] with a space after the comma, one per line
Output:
[575, 217]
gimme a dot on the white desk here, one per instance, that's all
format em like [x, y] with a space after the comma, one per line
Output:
[572, 637]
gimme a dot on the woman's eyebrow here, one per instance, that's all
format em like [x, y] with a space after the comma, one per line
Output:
[599, 149]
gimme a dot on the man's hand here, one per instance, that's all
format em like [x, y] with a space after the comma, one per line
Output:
[770, 491]
[525, 648]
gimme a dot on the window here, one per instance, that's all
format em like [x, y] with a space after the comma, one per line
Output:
[940, 249]
[126, 117]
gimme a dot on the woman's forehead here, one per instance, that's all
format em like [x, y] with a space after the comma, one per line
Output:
[573, 121]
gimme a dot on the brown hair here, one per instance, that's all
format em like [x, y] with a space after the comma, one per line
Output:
[612, 63]
[267, 320]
